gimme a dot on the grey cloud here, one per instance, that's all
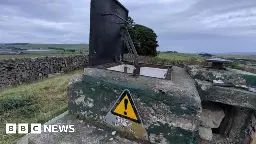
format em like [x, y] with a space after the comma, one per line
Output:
[48, 9]
[182, 25]
[212, 25]
[44, 21]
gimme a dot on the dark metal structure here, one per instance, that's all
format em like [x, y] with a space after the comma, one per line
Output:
[109, 33]
[107, 18]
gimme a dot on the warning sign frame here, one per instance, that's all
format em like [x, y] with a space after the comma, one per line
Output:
[126, 92]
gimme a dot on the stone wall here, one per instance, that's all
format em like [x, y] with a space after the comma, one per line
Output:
[17, 71]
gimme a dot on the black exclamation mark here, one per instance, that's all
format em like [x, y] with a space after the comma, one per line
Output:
[125, 106]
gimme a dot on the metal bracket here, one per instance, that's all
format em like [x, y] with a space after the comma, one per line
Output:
[112, 14]
[130, 46]
[128, 42]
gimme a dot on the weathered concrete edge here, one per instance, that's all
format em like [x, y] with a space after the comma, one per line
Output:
[25, 139]
[226, 95]
[178, 87]
[79, 125]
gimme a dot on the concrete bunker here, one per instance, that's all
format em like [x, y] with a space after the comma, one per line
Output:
[228, 104]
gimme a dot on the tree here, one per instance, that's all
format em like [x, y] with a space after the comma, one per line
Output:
[131, 21]
[144, 39]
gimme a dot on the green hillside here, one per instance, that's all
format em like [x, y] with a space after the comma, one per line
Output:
[179, 56]
[249, 57]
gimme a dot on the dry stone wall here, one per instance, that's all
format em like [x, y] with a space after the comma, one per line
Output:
[17, 71]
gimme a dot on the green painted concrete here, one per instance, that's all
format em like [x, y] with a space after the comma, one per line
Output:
[168, 111]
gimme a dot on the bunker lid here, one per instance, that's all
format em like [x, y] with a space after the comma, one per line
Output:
[219, 60]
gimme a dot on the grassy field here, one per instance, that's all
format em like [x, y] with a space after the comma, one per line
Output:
[249, 57]
[2, 57]
[37, 102]
[179, 56]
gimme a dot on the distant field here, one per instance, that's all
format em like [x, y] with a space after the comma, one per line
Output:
[250, 57]
[62, 52]
[46, 46]
[65, 46]
[179, 56]
[2, 57]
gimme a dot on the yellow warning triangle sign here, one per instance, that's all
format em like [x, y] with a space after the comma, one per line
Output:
[125, 108]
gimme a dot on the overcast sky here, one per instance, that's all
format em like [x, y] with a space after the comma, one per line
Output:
[181, 25]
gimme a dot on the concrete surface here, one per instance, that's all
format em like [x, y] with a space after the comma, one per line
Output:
[24, 140]
[205, 133]
[167, 108]
[208, 74]
[211, 117]
[226, 95]
[144, 71]
[120, 68]
[85, 133]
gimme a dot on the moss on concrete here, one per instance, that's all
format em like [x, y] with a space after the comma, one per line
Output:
[173, 134]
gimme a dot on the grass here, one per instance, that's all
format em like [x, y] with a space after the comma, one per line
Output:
[249, 57]
[37, 102]
[179, 56]
[2, 57]
[244, 67]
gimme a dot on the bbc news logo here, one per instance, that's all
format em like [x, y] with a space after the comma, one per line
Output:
[36, 128]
